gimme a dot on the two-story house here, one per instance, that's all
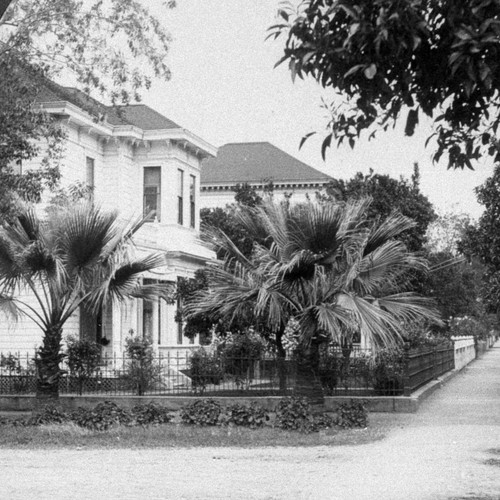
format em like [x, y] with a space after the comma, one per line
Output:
[139, 162]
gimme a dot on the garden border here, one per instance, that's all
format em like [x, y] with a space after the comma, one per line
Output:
[383, 404]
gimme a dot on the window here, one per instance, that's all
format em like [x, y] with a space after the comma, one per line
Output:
[192, 204]
[152, 185]
[180, 197]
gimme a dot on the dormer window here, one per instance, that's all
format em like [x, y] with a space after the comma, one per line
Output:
[152, 191]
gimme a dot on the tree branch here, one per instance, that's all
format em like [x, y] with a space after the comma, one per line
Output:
[4, 4]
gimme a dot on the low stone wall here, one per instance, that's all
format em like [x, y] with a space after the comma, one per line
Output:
[465, 351]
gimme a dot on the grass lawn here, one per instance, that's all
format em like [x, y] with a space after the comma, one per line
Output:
[176, 435]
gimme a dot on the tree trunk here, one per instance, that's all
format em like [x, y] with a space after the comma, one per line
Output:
[281, 361]
[48, 359]
[308, 383]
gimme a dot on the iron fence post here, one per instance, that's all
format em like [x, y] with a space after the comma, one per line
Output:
[406, 373]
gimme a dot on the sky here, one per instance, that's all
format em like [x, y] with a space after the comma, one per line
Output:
[224, 89]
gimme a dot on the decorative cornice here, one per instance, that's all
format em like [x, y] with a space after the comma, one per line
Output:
[276, 185]
[73, 115]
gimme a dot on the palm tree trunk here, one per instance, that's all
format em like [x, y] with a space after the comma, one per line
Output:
[48, 359]
[308, 383]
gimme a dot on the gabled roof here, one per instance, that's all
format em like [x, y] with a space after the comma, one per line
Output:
[257, 162]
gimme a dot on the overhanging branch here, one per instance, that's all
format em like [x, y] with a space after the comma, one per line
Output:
[3, 7]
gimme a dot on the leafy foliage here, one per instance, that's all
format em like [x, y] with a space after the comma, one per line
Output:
[352, 414]
[454, 284]
[225, 220]
[482, 241]
[83, 358]
[466, 325]
[141, 367]
[151, 414]
[439, 59]
[84, 38]
[204, 369]
[294, 414]
[102, 417]
[48, 414]
[253, 416]
[388, 372]
[388, 195]
[202, 412]
[25, 133]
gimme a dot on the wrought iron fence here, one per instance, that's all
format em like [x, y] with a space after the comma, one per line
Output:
[342, 372]
[426, 364]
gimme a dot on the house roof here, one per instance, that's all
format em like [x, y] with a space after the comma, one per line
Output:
[137, 115]
[257, 162]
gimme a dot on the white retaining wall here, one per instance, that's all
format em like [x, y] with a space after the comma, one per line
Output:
[465, 351]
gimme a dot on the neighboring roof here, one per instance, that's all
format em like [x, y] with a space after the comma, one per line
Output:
[137, 115]
[256, 162]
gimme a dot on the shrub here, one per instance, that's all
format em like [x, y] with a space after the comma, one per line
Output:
[467, 325]
[352, 414]
[10, 363]
[150, 413]
[102, 417]
[252, 416]
[48, 414]
[239, 352]
[294, 414]
[83, 358]
[142, 369]
[202, 412]
[204, 369]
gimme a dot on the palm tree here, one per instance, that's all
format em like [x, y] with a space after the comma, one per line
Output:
[327, 266]
[78, 255]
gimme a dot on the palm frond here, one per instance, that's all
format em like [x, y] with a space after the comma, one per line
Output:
[387, 229]
[84, 231]
[124, 279]
[409, 307]
[376, 324]
[384, 265]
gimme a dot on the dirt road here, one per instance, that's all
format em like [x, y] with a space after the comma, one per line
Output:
[450, 449]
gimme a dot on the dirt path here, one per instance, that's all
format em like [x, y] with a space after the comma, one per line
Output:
[449, 450]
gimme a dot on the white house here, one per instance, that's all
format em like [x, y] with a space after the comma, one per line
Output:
[257, 164]
[137, 161]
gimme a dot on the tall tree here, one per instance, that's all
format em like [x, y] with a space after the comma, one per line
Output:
[326, 266]
[483, 239]
[388, 194]
[79, 256]
[395, 60]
